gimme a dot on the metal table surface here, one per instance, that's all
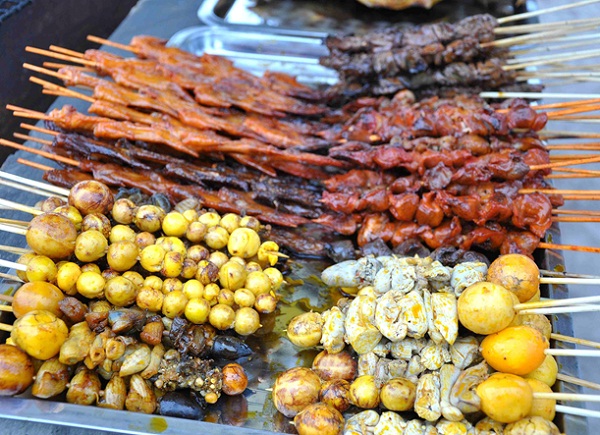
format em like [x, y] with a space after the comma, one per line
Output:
[163, 18]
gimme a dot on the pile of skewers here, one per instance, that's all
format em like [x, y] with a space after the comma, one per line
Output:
[446, 379]
[453, 171]
[122, 305]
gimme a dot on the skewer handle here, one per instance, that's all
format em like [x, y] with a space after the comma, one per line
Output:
[572, 352]
[568, 397]
[5, 327]
[577, 411]
[581, 281]
[13, 265]
[577, 381]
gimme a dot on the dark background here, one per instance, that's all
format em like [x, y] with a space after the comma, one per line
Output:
[41, 23]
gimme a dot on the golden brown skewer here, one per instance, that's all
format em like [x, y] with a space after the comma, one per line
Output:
[561, 164]
[32, 138]
[38, 129]
[575, 219]
[56, 65]
[67, 91]
[574, 147]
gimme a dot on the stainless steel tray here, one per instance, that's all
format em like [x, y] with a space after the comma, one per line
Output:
[292, 52]
[336, 15]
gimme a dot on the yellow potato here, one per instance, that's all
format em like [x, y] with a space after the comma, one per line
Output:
[40, 334]
[485, 308]
[505, 398]
[546, 372]
[545, 408]
[517, 273]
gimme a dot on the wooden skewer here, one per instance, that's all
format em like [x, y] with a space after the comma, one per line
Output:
[69, 92]
[7, 298]
[60, 56]
[570, 397]
[561, 164]
[580, 198]
[575, 219]
[30, 115]
[9, 277]
[557, 274]
[590, 249]
[32, 138]
[565, 157]
[562, 310]
[556, 134]
[577, 212]
[551, 303]
[5, 327]
[43, 130]
[588, 40]
[15, 250]
[24, 188]
[34, 165]
[21, 207]
[56, 65]
[14, 222]
[539, 12]
[45, 71]
[50, 156]
[21, 109]
[574, 147]
[545, 58]
[529, 28]
[537, 36]
[538, 95]
[569, 176]
[81, 55]
[575, 340]
[13, 265]
[571, 352]
[559, 191]
[557, 58]
[44, 186]
[577, 381]
[103, 41]
[577, 411]
[573, 110]
[578, 171]
[6, 308]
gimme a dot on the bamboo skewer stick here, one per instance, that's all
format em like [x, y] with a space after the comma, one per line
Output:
[7, 298]
[575, 219]
[537, 36]
[21, 207]
[34, 165]
[11, 229]
[539, 12]
[574, 147]
[56, 65]
[32, 138]
[569, 176]
[580, 198]
[573, 110]
[80, 55]
[550, 58]
[562, 310]
[9, 277]
[15, 249]
[60, 56]
[6, 308]
[590, 249]
[552, 303]
[576, 381]
[45, 71]
[69, 92]
[577, 212]
[561, 164]
[43, 130]
[557, 274]
[14, 222]
[572, 352]
[538, 95]
[577, 411]
[48, 155]
[575, 340]
[588, 40]
[557, 134]
[103, 41]
[24, 188]
[559, 191]
[13, 265]
[530, 28]
[45, 186]
[5, 327]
